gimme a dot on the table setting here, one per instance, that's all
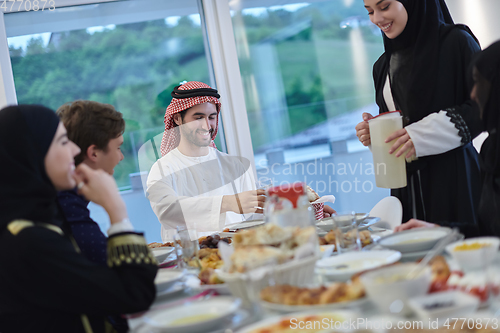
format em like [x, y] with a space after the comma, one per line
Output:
[274, 276]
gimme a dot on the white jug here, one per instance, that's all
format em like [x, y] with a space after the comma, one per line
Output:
[390, 171]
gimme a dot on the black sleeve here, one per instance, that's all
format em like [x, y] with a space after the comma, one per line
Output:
[467, 229]
[55, 277]
[460, 47]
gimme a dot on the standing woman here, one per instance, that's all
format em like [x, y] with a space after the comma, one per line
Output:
[46, 284]
[423, 73]
[486, 76]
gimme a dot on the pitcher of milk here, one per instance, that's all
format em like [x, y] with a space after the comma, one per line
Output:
[390, 171]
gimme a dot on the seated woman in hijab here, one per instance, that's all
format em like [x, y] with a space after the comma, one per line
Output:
[486, 93]
[46, 284]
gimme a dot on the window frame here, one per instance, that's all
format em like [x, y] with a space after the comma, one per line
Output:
[222, 46]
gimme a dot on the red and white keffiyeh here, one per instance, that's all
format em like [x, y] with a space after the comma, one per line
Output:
[171, 136]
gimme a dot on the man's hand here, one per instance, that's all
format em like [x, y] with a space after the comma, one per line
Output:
[244, 202]
[413, 224]
[363, 130]
[328, 211]
[100, 187]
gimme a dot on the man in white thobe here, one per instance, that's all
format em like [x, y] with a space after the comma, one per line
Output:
[194, 185]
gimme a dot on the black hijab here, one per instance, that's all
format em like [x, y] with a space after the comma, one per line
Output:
[488, 64]
[26, 132]
[428, 22]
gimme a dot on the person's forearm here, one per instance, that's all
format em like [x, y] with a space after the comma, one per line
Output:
[229, 204]
[116, 210]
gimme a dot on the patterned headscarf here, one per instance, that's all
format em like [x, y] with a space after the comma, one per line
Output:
[186, 96]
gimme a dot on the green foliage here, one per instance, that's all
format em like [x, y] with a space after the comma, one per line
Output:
[135, 67]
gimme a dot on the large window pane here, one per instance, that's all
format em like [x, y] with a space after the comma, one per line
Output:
[129, 54]
[306, 69]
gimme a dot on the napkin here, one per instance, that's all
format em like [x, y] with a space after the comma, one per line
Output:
[325, 198]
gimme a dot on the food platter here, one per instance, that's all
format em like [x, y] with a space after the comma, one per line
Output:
[282, 324]
[283, 308]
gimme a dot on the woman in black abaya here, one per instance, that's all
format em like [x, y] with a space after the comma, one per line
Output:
[486, 92]
[425, 69]
[46, 285]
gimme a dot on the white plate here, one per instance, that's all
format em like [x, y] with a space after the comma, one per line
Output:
[326, 224]
[171, 291]
[414, 240]
[319, 307]
[341, 268]
[343, 315]
[237, 320]
[165, 278]
[161, 253]
[199, 316]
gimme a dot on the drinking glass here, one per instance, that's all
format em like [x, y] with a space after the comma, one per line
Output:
[186, 248]
[346, 232]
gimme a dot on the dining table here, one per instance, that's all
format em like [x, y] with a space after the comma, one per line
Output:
[189, 291]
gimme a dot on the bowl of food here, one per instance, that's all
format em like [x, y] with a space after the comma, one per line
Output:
[474, 253]
[414, 240]
[390, 287]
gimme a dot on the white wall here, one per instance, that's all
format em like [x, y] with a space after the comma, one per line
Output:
[480, 15]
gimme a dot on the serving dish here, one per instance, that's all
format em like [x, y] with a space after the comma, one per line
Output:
[341, 268]
[414, 240]
[200, 316]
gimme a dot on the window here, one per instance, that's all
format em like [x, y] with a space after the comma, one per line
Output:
[307, 75]
[129, 54]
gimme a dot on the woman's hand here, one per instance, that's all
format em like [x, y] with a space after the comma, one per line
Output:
[363, 130]
[100, 187]
[413, 224]
[404, 140]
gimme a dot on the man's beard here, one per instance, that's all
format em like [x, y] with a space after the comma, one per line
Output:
[192, 137]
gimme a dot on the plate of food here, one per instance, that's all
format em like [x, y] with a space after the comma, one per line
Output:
[315, 321]
[328, 239]
[287, 298]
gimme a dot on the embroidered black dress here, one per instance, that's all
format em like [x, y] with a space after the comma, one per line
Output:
[46, 285]
[432, 58]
